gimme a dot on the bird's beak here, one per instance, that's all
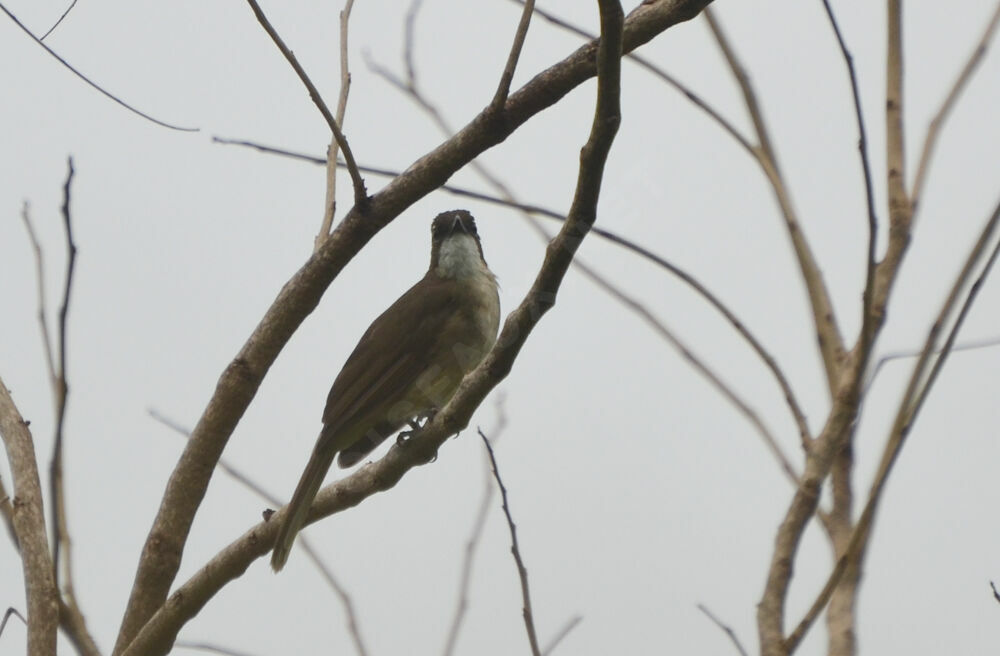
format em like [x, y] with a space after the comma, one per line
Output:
[458, 224]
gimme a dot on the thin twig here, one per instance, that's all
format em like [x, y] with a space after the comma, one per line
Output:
[725, 628]
[472, 544]
[330, 207]
[60, 529]
[934, 129]
[360, 193]
[209, 647]
[561, 634]
[522, 571]
[56, 24]
[42, 304]
[13, 611]
[867, 334]
[996, 595]
[503, 89]
[828, 333]
[353, 627]
[912, 353]
[409, 29]
[906, 415]
[86, 79]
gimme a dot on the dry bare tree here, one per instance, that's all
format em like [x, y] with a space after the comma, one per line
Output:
[160, 606]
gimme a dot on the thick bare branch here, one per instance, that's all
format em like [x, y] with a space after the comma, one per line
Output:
[360, 193]
[303, 542]
[919, 386]
[238, 384]
[29, 524]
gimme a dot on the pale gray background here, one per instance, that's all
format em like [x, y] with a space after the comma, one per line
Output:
[637, 490]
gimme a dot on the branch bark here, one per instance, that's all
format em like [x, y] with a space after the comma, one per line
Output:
[29, 524]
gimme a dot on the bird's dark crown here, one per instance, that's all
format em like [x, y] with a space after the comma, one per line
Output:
[448, 222]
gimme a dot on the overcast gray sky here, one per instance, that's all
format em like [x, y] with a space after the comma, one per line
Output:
[638, 491]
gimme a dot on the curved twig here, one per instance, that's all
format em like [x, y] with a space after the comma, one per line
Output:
[90, 82]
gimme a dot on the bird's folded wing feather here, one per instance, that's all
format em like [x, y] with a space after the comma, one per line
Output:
[387, 361]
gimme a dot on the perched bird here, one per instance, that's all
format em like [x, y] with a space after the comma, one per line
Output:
[408, 363]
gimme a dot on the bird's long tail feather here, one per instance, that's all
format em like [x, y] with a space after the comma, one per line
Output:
[298, 508]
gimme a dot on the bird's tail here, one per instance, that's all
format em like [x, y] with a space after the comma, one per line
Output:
[297, 510]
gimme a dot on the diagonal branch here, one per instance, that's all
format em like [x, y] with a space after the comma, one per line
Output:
[360, 193]
[867, 318]
[725, 628]
[515, 550]
[303, 542]
[160, 558]
[831, 344]
[503, 90]
[472, 544]
[934, 130]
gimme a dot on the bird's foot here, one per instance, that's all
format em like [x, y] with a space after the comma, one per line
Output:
[415, 425]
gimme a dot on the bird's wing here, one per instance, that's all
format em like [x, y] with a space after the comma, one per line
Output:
[387, 361]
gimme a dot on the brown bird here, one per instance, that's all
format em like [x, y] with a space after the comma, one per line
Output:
[408, 363]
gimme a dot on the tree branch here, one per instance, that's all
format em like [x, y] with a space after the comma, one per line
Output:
[29, 524]
[515, 550]
[472, 544]
[725, 628]
[60, 529]
[303, 541]
[503, 90]
[330, 207]
[934, 129]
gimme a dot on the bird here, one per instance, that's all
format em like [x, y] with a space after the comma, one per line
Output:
[407, 365]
